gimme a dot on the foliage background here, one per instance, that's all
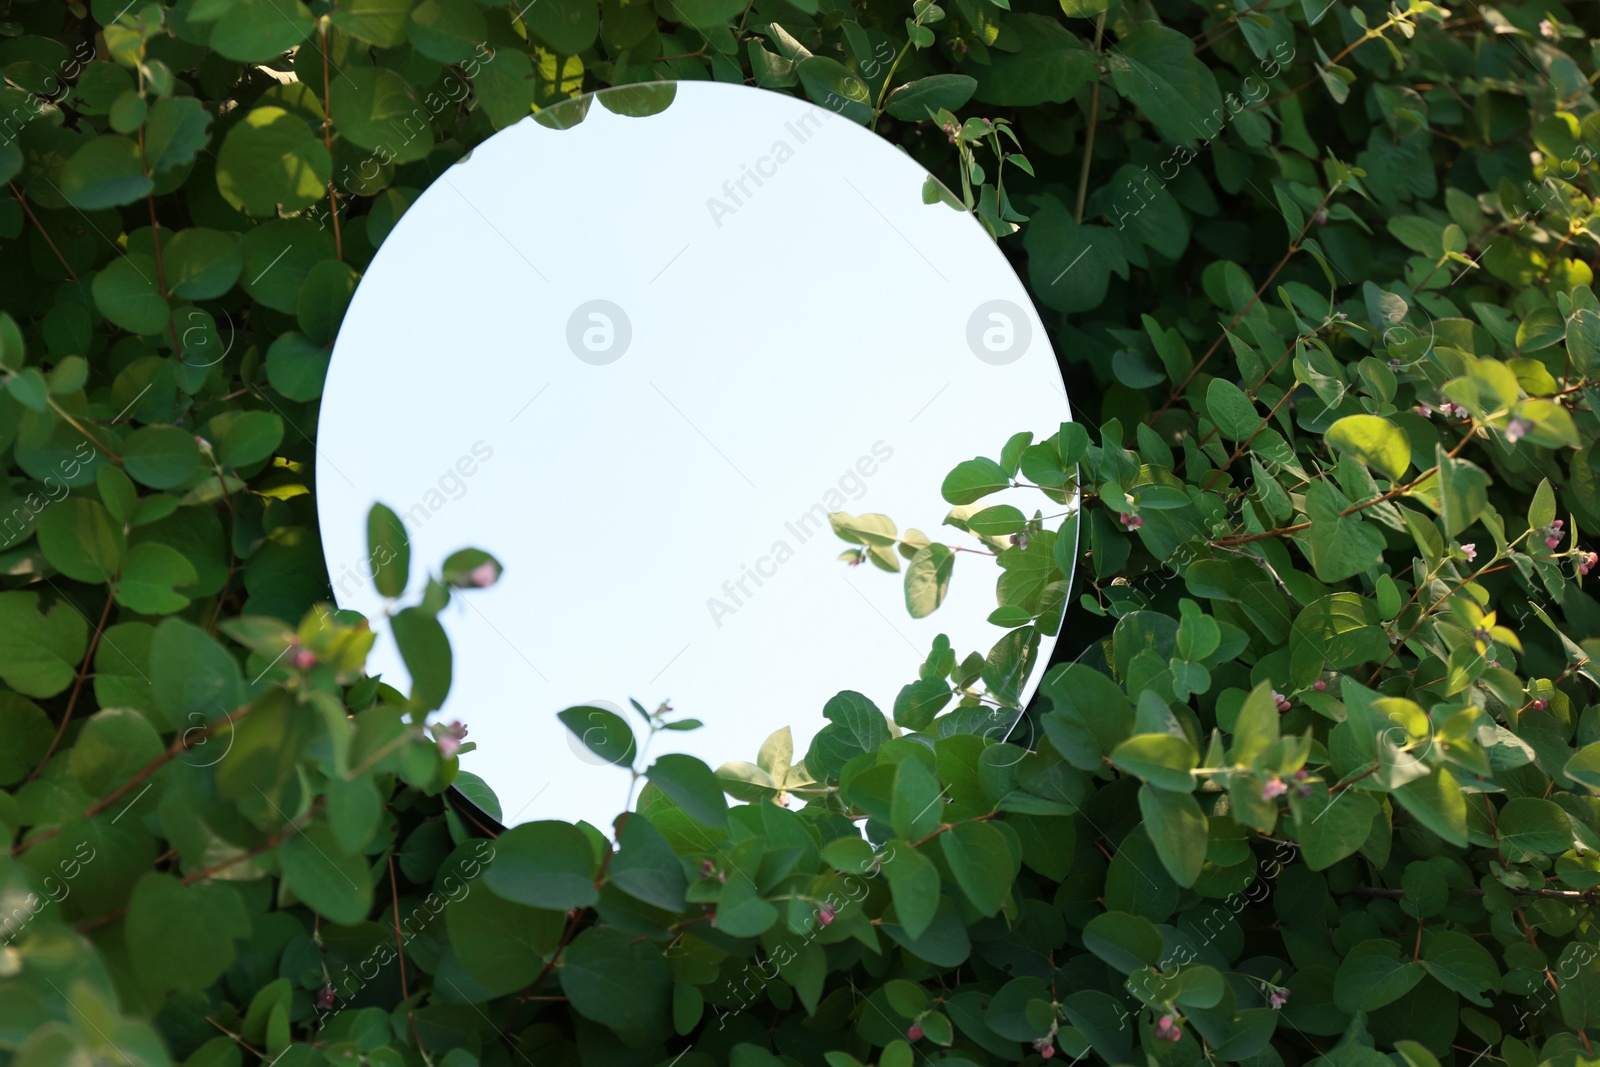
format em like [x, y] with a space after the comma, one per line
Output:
[1321, 786]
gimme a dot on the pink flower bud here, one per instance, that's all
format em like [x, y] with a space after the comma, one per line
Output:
[484, 574]
[1471, 550]
[449, 738]
[825, 914]
[1319, 685]
[914, 1032]
[1540, 705]
[304, 659]
[1273, 788]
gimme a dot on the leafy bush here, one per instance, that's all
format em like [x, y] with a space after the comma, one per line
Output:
[1319, 787]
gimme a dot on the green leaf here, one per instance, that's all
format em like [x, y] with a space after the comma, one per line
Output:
[426, 651]
[1542, 512]
[112, 745]
[1231, 410]
[1331, 827]
[604, 733]
[81, 540]
[1436, 801]
[1584, 767]
[924, 97]
[127, 295]
[566, 29]
[1160, 759]
[372, 104]
[1127, 942]
[1341, 546]
[1155, 67]
[177, 129]
[914, 888]
[106, 172]
[1372, 975]
[692, 786]
[183, 937]
[377, 22]
[191, 673]
[618, 981]
[39, 651]
[972, 480]
[831, 83]
[161, 457]
[273, 158]
[388, 551]
[1375, 441]
[645, 867]
[255, 31]
[249, 438]
[544, 865]
[928, 579]
[1463, 494]
[151, 576]
[917, 804]
[499, 943]
[1529, 826]
[1542, 328]
[856, 726]
[202, 264]
[741, 912]
[1177, 829]
[330, 881]
[1255, 730]
[448, 31]
[28, 735]
[981, 862]
[1459, 962]
[920, 701]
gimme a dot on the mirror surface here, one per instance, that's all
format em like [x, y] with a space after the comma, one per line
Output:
[640, 360]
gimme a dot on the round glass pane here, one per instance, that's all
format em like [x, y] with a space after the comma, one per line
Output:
[642, 359]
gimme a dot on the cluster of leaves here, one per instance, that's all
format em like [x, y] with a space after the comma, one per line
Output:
[1321, 786]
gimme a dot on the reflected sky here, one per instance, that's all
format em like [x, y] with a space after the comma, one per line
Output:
[639, 360]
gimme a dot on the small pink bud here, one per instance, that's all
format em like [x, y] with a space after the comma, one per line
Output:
[825, 914]
[326, 997]
[1301, 775]
[1279, 998]
[1273, 788]
[1047, 1052]
[707, 869]
[449, 738]
[484, 574]
[1471, 551]
[1553, 541]
[1540, 705]
[1319, 685]
[304, 659]
[914, 1032]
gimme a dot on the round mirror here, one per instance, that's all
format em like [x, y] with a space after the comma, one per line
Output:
[667, 354]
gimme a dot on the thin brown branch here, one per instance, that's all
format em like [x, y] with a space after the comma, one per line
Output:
[77, 688]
